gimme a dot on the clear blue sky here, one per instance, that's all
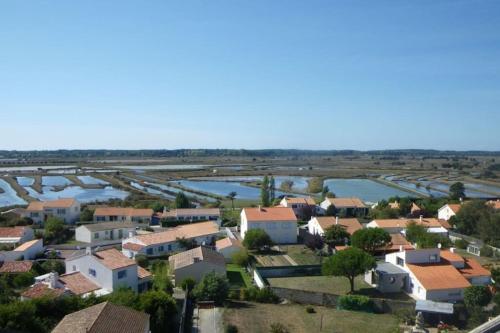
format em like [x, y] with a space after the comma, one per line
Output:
[250, 74]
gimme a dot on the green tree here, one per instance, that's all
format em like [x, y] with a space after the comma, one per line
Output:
[264, 192]
[370, 239]
[240, 257]
[256, 239]
[188, 284]
[142, 260]
[124, 296]
[181, 200]
[457, 191]
[54, 266]
[415, 232]
[471, 214]
[162, 309]
[272, 189]
[87, 215]
[231, 197]
[161, 279]
[212, 287]
[476, 296]
[54, 230]
[336, 235]
[349, 263]
[331, 211]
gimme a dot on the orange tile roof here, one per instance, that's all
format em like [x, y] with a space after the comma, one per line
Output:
[123, 211]
[402, 223]
[40, 290]
[77, 283]
[350, 224]
[455, 207]
[398, 240]
[438, 276]
[227, 242]
[16, 267]
[143, 273]
[190, 257]
[59, 203]
[415, 208]
[347, 202]
[494, 203]
[445, 224]
[472, 269]
[113, 259]
[451, 256]
[191, 230]
[27, 245]
[265, 214]
[132, 246]
[305, 201]
[12, 232]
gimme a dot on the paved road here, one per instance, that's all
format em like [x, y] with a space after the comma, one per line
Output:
[210, 320]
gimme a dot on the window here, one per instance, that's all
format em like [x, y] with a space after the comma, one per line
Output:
[161, 248]
[433, 257]
[74, 268]
[61, 211]
[285, 225]
[149, 251]
[169, 247]
[100, 218]
[122, 274]
[92, 272]
[34, 214]
[96, 235]
[400, 261]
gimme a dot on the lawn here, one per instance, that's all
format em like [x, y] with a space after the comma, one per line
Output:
[272, 260]
[237, 277]
[256, 317]
[301, 254]
[326, 284]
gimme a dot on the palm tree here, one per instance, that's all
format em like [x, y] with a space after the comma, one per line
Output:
[231, 197]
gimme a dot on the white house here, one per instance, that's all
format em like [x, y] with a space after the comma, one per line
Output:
[228, 246]
[164, 242]
[15, 236]
[279, 223]
[123, 214]
[26, 251]
[192, 214]
[105, 231]
[447, 211]
[196, 263]
[346, 206]
[67, 210]
[431, 274]
[109, 269]
[318, 225]
[302, 207]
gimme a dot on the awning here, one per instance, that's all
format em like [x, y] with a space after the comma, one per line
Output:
[434, 307]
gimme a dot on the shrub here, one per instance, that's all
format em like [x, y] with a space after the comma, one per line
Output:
[486, 251]
[231, 329]
[240, 258]
[212, 288]
[256, 239]
[234, 294]
[278, 328]
[23, 280]
[310, 309]
[475, 296]
[461, 244]
[142, 260]
[255, 294]
[188, 284]
[355, 303]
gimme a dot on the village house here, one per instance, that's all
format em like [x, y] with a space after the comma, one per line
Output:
[448, 211]
[432, 225]
[192, 214]
[123, 214]
[196, 263]
[302, 207]
[68, 210]
[104, 318]
[14, 236]
[26, 251]
[279, 223]
[346, 206]
[228, 246]
[428, 274]
[105, 231]
[109, 269]
[15, 267]
[164, 242]
[318, 225]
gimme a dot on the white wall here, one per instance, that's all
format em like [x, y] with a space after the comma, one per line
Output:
[281, 232]
[197, 271]
[445, 213]
[314, 227]
[82, 234]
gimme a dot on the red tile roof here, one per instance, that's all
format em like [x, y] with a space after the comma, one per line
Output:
[133, 246]
[59, 203]
[27, 245]
[304, 201]
[455, 207]
[347, 202]
[200, 253]
[123, 211]
[265, 214]
[451, 256]
[16, 267]
[113, 259]
[402, 223]
[77, 283]
[350, 224]
[12, 232]
[40, 290]
[187, 231]
[473, 269]
[227, 242]
[143, 273]
[192, 212]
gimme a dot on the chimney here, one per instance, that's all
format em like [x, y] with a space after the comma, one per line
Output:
[131, 233]
[260, 208]
[88, 250]
[452, 249]
[52, 279]
[421, 218]
[400, 248]
[336, 220]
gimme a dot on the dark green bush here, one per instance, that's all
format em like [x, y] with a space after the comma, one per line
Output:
[231, 329]
[461, 244]
[310, 309]
[355, 303]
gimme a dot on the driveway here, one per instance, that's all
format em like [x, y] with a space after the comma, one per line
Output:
[210, 320]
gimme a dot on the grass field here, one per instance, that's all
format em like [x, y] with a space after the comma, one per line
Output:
[326, 284]
[301, 254]
[256, 318]
[237, 277]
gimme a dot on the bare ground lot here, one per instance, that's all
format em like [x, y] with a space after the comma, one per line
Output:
[257, 318]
